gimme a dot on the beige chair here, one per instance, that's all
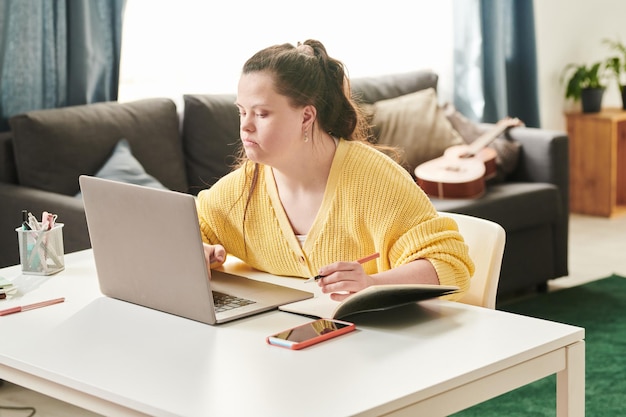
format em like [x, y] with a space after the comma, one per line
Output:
[486, 247]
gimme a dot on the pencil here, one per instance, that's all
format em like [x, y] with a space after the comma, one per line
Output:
[361, 261]
[27, 307]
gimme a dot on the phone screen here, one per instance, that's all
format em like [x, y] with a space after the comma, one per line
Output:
[310, 330]
[310, 333]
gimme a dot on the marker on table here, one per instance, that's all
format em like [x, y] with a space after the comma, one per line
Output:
[361, 261]
[27, 307]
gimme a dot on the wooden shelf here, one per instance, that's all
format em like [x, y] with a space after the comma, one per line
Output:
[597, 151]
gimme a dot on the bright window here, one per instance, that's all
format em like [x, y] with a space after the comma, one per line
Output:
[171, 48]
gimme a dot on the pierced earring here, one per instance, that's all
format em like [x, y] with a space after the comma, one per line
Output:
[306, 136]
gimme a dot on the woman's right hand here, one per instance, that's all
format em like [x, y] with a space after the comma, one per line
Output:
[215, 255]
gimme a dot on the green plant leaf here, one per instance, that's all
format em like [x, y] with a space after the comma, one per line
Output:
[582, 76]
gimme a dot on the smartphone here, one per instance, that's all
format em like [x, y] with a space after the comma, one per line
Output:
[311, 333]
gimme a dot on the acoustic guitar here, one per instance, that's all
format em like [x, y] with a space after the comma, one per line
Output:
[463, 169]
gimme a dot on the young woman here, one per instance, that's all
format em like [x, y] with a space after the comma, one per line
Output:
[311, 195]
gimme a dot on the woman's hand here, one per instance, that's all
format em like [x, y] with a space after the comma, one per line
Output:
[350, 277]
[342, 279]
[215, 255]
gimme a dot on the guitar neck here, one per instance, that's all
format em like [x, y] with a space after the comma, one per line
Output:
[487, 137]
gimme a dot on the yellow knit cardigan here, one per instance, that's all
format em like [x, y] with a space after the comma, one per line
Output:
[371, 204]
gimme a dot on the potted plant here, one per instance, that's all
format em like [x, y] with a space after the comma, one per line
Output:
[617, 65]
[585, 83]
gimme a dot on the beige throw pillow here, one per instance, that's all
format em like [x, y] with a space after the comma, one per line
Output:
[416, 125]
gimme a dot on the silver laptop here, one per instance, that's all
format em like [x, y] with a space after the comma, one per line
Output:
[148, 251]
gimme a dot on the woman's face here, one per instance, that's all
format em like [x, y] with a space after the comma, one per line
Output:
[271, 129]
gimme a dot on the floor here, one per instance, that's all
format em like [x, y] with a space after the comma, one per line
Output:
[596, 251]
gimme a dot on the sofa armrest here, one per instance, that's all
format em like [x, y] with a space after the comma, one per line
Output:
[16, 198]
[544, 157]
[8, 171]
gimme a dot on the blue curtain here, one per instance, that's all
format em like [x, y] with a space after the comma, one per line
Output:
[495, 60]
[56, 53]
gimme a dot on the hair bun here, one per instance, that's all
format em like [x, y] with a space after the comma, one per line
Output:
[305, 49]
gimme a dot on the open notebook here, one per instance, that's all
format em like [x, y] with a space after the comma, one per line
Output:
[374, 298]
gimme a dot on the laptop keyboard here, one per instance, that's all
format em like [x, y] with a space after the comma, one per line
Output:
[225, 302]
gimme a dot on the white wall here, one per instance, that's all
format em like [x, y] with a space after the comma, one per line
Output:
[571, 31]
[169, 51]
[193, 46]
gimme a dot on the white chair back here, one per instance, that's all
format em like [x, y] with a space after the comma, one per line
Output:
[485, 240]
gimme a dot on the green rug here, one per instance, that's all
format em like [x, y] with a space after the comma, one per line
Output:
[599, 307]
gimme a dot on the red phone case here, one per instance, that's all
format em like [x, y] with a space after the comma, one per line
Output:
[320, 337]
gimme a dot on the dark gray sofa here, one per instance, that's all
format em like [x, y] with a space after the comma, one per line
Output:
[46, 151]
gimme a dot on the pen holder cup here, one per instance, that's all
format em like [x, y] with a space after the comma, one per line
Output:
[41, 252]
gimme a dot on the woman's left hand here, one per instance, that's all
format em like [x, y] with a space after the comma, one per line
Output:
[342, 279]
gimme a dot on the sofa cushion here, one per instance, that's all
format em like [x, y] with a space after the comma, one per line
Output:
[416, 125]
[372, 89]
[210, 138]
[514, 205]
[123, 166]
[54, 147]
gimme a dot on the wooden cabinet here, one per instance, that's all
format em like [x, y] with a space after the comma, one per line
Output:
[597, 151]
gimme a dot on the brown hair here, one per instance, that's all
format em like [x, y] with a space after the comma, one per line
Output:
[306, 75]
